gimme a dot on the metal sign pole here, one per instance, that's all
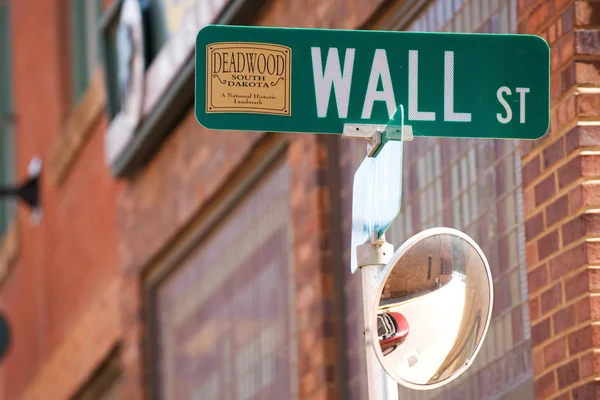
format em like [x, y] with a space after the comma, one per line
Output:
[372, 256]
[375, 252]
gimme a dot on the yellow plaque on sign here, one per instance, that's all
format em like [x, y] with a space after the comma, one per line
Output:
[248, 78]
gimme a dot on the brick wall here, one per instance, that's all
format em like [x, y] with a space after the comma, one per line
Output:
[155, 224]
[561, 199]
[316, 308]
[67, 263]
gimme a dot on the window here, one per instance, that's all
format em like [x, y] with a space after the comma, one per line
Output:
[107, 381]
[153, 35]
[223, 320]
[155, 30]
[85, 45]
[429, 269]
[7, 160]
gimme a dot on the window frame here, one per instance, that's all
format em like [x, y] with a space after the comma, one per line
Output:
[161, 113]
[85, 42]
[108, 376]
[200, 229]
[7, 118]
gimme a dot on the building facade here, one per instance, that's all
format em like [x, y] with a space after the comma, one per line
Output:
[176, 262]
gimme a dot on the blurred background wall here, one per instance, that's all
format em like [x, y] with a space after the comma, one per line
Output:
[175, 262]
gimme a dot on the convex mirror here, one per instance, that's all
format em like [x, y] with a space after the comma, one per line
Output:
[433, 307]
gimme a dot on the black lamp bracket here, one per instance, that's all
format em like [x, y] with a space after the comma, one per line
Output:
[28, 191]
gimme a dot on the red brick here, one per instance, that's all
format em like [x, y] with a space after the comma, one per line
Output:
[586, 42]
[554, 61]
[580, 340]
[534, 310]
[567, 44]
[564, 396]
[552, 34]
[556, 86]
[534, 226]
[586, 365]
[583, 136]
[573, 230]
[537, 278]
[70, 258]
[558, 5]
[526, 146]
[531, 254]
[585, 224]
[594, 279]
[590, 164]
[588, 73]
[559, 21]
[554, 152]
[551, 298]
[575, 199]
[587, 13]
[545, 386]
[555, 352]
[528, 201]
[594, 307]
[596, 362]
[545, 189]
[567, 374]
[585, 311]
[547, 244]
[537, 18]
[540, 332]
[531, 170]
[557, 210]
[577, 285]
[537, 362]
[523, 5]
[308, 384]
[592, 252]
[569, 172]
[586, 391]
[567, 261]
[566, 111]
[564, 319]
[568, 78]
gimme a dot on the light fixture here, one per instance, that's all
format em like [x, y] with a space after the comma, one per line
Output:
[28, 191]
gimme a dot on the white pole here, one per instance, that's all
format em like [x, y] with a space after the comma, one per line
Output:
[380, 385]
[369, 274]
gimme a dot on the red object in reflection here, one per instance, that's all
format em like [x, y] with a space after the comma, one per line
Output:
[392, 329]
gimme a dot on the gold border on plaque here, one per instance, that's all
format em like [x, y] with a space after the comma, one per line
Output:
[283, 108]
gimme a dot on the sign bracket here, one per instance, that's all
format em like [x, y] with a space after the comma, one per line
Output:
[377, 135]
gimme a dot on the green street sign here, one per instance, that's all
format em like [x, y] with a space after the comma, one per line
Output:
[318, 80]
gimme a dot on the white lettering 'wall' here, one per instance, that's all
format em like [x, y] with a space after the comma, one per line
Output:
[332, 76]
[449, 114]
[379, 69]
[413, 90]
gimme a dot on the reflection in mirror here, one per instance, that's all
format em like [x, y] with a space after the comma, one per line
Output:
[434, 308]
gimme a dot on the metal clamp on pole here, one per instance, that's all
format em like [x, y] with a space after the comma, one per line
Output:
[375, 251]
[377, 135]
